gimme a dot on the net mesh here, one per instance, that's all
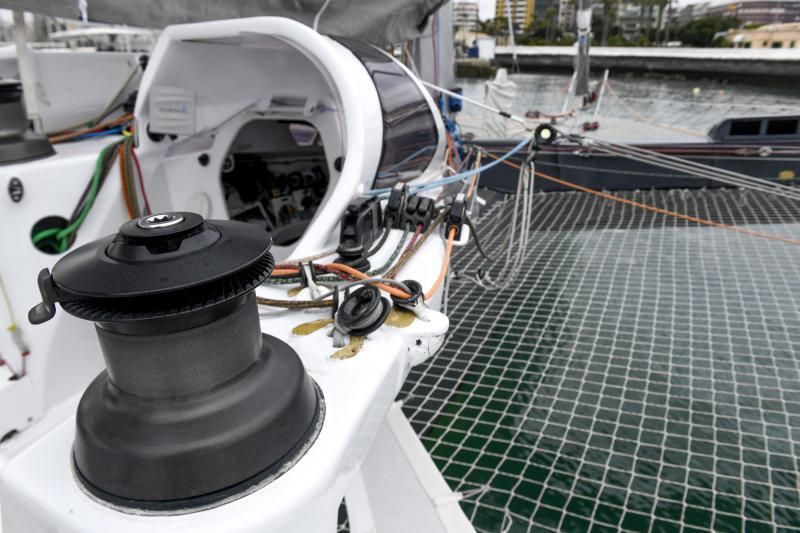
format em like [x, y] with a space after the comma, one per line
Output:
[640, 374]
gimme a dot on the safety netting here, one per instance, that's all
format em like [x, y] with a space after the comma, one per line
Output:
[639, 373]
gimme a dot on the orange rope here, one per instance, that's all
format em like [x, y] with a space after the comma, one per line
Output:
[346, 270]
[61, 137]
[391, 290]
[360, 275]
[285, 272]
[653, 208]
[448, 155]
[445, 264]
[124, 181]
[476, 177]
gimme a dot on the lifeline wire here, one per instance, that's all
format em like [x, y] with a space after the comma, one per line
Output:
[515, 246]
[648, 156]
[689, 167]
[660, 210]
[497, 110]
[319, 14]
[457, 177]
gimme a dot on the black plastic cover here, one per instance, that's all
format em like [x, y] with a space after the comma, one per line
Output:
[418, 212]
[410, 137]
[361, 225]
[168, 450]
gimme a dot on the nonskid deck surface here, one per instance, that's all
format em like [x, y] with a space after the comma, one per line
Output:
[640, 375]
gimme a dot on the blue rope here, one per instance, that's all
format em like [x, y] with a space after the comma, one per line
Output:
[461, 176]
[92, 134]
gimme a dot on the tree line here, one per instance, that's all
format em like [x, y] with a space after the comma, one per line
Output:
[652, 27]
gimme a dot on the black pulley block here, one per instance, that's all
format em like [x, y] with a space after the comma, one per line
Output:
[416, 296]
[196, 406]
[545, 134]
[360, 227]
[363, 311]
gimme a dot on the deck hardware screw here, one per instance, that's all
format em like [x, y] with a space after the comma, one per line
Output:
[164, 220]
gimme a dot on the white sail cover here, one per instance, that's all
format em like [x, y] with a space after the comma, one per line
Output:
[500, 93]
[584, 19]
[378, 22]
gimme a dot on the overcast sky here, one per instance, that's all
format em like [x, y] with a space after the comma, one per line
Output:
[487, 9]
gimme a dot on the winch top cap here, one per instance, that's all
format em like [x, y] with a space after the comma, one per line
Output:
[157, 265]
[159, 254]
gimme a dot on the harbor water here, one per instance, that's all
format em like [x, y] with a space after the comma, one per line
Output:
[687, 103]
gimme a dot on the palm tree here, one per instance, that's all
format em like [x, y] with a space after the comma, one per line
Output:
[550, 15]
[608, 13]
[644, 26]
[660, 4]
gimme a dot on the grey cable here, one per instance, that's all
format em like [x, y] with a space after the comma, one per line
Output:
[388, 281]
[319, 14]
[689, 167]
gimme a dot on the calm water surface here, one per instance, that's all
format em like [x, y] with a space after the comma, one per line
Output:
[692, 104]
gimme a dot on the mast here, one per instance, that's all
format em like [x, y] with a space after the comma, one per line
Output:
[584, 23]
[514, 63]
[27, 72]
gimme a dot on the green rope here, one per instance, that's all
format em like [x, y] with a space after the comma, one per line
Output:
[61, 235]
[384, 267]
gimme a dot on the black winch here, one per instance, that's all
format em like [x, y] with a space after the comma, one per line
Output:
[197, 406]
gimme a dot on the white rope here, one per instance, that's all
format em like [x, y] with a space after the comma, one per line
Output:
[83, 8]
[493, 109]
[516, 240]
[319, 14]
[690, 167]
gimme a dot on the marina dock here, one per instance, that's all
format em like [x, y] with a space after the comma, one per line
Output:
[774, 63]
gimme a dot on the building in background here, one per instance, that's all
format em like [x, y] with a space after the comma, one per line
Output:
[747, 11]
[770, 36]
[522, 11]
[633, 22]
[566, 15]
[465, 15]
